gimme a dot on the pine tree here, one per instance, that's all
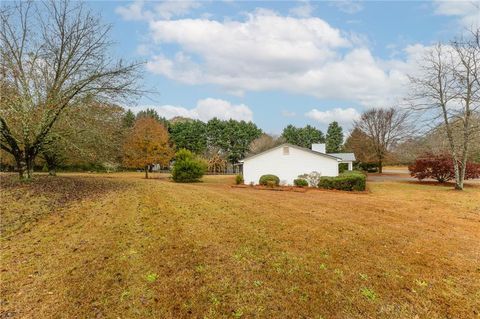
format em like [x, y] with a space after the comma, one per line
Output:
[302, 136]
[128, 119]
[334, 138]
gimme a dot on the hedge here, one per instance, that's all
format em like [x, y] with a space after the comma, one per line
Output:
[300, 182]
[351, 181]
[265, 179]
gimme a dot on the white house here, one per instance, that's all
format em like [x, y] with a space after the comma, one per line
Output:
[288, 161]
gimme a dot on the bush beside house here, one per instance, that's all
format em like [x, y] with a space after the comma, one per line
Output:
[239, 179]
[300, 182]
[312, 178]
[269, 180]
[351, 181]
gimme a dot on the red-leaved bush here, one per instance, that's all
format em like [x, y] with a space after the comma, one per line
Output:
[440, 167]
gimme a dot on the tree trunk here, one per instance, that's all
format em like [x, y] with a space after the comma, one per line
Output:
[24, 165]
[21, 168]
[30, 163]
[460, 175]
[51, 165]
[380, 166]
[146, 171]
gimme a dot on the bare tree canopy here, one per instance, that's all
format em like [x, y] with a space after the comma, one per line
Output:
[384, 128]
[53, 56]
[263, 143]
[447, 93]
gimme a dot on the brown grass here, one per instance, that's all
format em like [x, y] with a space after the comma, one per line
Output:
[120, 246]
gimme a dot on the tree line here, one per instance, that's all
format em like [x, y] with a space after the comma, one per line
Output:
[61, 89]
[153, 139]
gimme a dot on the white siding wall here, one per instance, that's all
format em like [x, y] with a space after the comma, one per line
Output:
[287, 167]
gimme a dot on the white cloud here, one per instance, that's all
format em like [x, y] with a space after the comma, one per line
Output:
[205, 110]
[304, 10]
[267, 51]
[467, 11]
[170, 9]
[210, 108]
[164, 10]
[132, 12]
[348, 6]
[344, 116]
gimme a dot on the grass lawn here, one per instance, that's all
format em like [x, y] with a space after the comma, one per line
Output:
[119, 246]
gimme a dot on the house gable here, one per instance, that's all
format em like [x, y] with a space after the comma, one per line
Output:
[290, 146]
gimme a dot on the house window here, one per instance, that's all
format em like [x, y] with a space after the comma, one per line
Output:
[286, 150]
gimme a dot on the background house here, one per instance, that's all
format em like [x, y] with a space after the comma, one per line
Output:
[288, 161]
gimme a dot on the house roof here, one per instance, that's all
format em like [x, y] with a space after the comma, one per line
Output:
[294, 146]
[344, 156]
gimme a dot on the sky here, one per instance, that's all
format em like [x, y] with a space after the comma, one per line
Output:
[279, 62]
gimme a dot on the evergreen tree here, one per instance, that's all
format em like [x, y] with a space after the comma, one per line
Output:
[303, 136]
[334, 138]
[128, 119]
[189, 135]
[231, 137]
[154, 115]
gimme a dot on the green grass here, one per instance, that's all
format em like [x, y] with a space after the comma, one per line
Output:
[369, 294]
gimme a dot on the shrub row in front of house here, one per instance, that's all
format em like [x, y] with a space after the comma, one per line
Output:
[348, 181]
[269, 180]
[300, 182]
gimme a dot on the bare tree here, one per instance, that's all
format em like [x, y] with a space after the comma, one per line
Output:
[263, 143]
[384, 128]
[447, 92]
[53, 56]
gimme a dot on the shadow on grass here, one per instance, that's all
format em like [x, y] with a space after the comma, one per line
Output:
[438, 184]
[27, 202]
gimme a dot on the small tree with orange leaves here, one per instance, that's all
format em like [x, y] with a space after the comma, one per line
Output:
[147, 144]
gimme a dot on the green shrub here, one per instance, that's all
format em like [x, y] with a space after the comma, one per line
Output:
[342, 167]
[351, 181]
[264, 179]
[271, 184]
[187, 167]
[239, 179]
[300, 182]
[312, 178]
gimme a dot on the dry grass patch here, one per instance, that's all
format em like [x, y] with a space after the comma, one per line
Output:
[156, 249]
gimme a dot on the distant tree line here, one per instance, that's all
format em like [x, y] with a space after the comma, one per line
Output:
[60, 92]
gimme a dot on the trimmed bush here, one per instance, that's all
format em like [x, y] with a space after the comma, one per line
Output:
[271, 184]
[187, 167]
[351, 181]
[239, 179]
[300, 182]
[264, 179]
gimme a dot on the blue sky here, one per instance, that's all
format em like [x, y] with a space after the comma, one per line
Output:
[279, 62]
